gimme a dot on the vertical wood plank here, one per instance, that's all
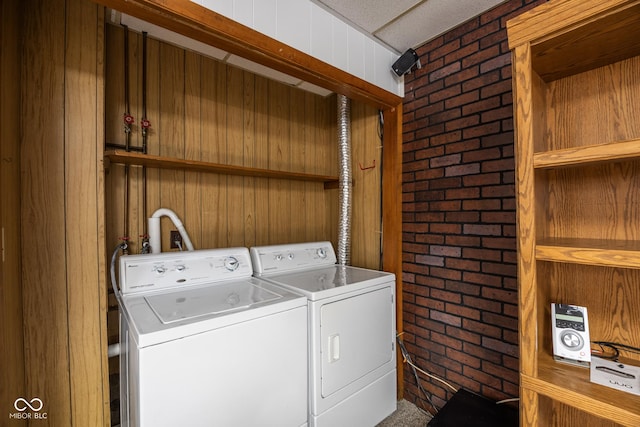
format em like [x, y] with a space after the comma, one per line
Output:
[366, 192]
[309, 163]
[11, 316]
[113, 173]
[136, 214]
[103, 281]
[262, 159]
[529, 407]
[171, 125]
[297, 131]
[43, 229]
[371, 208]
[279, 158]
[358, 153]
[248, 159]
[392, 214]
[114, 107]
[193, 139]
[214, 135]
[525, 193]
[331, 150]
[323, 159]
[235, 154]
[114, 101]
[525, 199]
[85, 285]
[153, 114]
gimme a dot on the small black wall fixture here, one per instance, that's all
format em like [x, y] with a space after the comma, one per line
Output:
[407, 60]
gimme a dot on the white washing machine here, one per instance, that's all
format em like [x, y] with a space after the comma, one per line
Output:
[206, 344]
[352, 352]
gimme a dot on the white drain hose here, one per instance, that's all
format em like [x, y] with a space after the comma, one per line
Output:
[155, 241]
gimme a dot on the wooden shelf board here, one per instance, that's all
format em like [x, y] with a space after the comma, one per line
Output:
[570, 385]
[606, 253]
[568, 38]
[615, 151]
[148, 160]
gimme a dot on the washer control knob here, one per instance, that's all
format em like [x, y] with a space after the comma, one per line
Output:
[321, 252]
[160, 270]
[278, 257]
[180, 267]
[290, 256]
[231, 263]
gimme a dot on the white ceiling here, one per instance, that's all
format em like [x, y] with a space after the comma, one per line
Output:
[404, 24]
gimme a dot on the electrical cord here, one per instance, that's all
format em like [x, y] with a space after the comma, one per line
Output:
[611, 350]
[433, 377]
[406, 357]
[514, 399]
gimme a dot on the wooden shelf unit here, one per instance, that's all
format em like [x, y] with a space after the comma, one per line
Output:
[160, 162]
[576, 70]
[611, 152]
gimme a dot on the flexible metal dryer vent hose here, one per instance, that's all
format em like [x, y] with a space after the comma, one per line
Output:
[344, 181]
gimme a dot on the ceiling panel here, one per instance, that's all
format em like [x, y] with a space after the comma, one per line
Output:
[369, 15]
[404, 24]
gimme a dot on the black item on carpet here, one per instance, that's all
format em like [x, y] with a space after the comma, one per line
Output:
[472, 410]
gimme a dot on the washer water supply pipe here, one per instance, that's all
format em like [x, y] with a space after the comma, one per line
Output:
[155, 241]
[344, 180]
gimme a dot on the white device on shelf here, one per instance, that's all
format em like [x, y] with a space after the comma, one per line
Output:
[570, 327]
[621, 374]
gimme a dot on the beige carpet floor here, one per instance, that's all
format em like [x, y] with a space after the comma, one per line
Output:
[407, 415]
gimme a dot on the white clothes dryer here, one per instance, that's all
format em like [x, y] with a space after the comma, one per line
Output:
[352, 331]
[206, 344]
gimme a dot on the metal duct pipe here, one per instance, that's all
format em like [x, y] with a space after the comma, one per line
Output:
[344, 180]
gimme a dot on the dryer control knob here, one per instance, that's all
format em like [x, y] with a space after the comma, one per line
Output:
[231, 263]
[160, 270]
[290, 256]
[321, 252]
[180, 268]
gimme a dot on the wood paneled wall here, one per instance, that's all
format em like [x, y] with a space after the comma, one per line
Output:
[202, 109]
[62, 211]
[12, 353]
[366, 159]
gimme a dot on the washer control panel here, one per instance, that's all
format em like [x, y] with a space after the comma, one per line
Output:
[151, 272]
[299, 256]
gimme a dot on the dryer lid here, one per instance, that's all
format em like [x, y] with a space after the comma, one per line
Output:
[211, 300]
[330, 281]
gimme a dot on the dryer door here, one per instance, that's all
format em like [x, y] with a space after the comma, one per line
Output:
[356, 338]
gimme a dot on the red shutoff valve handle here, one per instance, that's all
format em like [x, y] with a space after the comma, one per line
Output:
[128, 121]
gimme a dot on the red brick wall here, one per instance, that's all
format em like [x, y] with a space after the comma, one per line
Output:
[459, 247]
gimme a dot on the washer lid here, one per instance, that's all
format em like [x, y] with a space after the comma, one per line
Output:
[329, 281]
[221, 298]
[162, 316]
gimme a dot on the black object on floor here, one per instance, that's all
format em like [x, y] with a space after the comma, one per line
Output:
[471, 410]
